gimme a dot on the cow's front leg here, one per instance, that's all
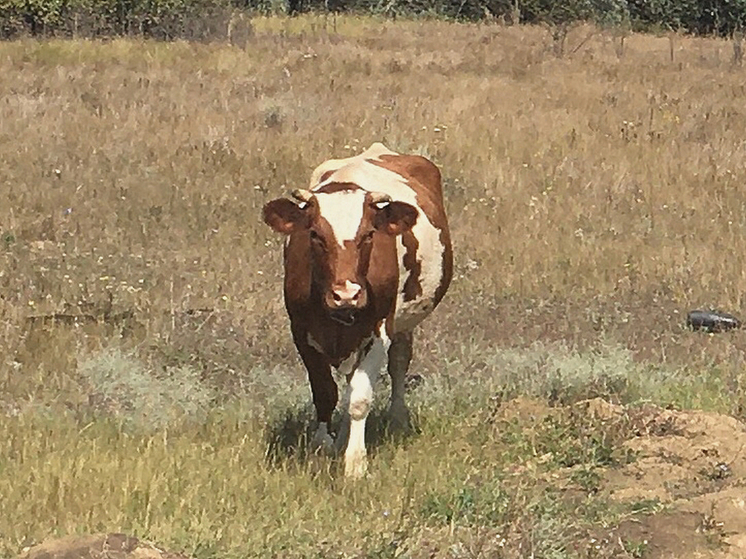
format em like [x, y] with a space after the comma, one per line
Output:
[360, 391]
[400, 355]
[323, 388]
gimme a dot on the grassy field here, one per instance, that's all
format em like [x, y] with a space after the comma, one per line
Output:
[148, 383]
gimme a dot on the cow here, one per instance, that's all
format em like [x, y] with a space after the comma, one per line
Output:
[367, 257]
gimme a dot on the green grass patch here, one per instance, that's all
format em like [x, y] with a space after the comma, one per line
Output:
[156, 453]
[154, 458]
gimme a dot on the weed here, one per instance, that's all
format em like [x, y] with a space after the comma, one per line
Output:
[636, 549]
[645, 506]
[121, 386]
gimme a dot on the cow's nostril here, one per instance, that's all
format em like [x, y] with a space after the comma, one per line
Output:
[336, 296]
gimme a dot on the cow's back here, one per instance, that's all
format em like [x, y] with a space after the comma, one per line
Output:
[424, 254]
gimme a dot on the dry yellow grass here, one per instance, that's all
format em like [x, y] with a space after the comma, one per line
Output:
[591, 197]
[592, 177]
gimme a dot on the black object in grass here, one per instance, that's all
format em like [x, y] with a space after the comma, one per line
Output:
[712, 321]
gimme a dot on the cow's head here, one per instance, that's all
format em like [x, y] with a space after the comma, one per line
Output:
[340, 225]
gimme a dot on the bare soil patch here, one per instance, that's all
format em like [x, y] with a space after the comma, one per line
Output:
[686, 473]
[98, 546]
[693, 463]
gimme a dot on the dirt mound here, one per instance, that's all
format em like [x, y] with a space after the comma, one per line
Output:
[692, 465]
[98, 546]
[680, 474]
[681, 455]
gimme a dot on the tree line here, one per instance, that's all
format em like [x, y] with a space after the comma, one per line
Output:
[206, 19]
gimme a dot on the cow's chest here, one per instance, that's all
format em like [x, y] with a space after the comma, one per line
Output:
[339, 344]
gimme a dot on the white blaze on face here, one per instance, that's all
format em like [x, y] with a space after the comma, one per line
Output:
[344, 212]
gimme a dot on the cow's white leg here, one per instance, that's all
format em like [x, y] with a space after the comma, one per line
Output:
[361, 399]
[347, 368]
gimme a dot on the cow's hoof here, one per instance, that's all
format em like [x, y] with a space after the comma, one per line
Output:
[356, 465]
[322, 442]
[400, 420]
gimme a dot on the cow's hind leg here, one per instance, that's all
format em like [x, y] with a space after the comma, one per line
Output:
[324, 390]
[400, 355]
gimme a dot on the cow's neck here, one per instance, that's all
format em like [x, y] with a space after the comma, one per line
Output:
[339, 341]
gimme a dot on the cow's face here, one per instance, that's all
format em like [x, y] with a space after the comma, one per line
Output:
[340, 226]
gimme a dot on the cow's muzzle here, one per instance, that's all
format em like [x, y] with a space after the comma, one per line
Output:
[346, 317]
[345, 300]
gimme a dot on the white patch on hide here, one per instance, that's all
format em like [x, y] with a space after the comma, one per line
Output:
[344, 212]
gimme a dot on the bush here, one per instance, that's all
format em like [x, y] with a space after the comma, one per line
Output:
[702, 17]
[120, 386]
[159, 19]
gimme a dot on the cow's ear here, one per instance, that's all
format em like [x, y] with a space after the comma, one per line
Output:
[396, 218]
[284, 216]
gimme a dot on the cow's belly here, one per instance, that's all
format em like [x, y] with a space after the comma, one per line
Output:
[410, 311]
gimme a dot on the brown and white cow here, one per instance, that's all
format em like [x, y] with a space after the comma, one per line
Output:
[367, 258]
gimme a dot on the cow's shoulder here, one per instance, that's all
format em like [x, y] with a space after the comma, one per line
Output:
[410, 178]
[326, 170]
[421, 174]
[422, 177]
